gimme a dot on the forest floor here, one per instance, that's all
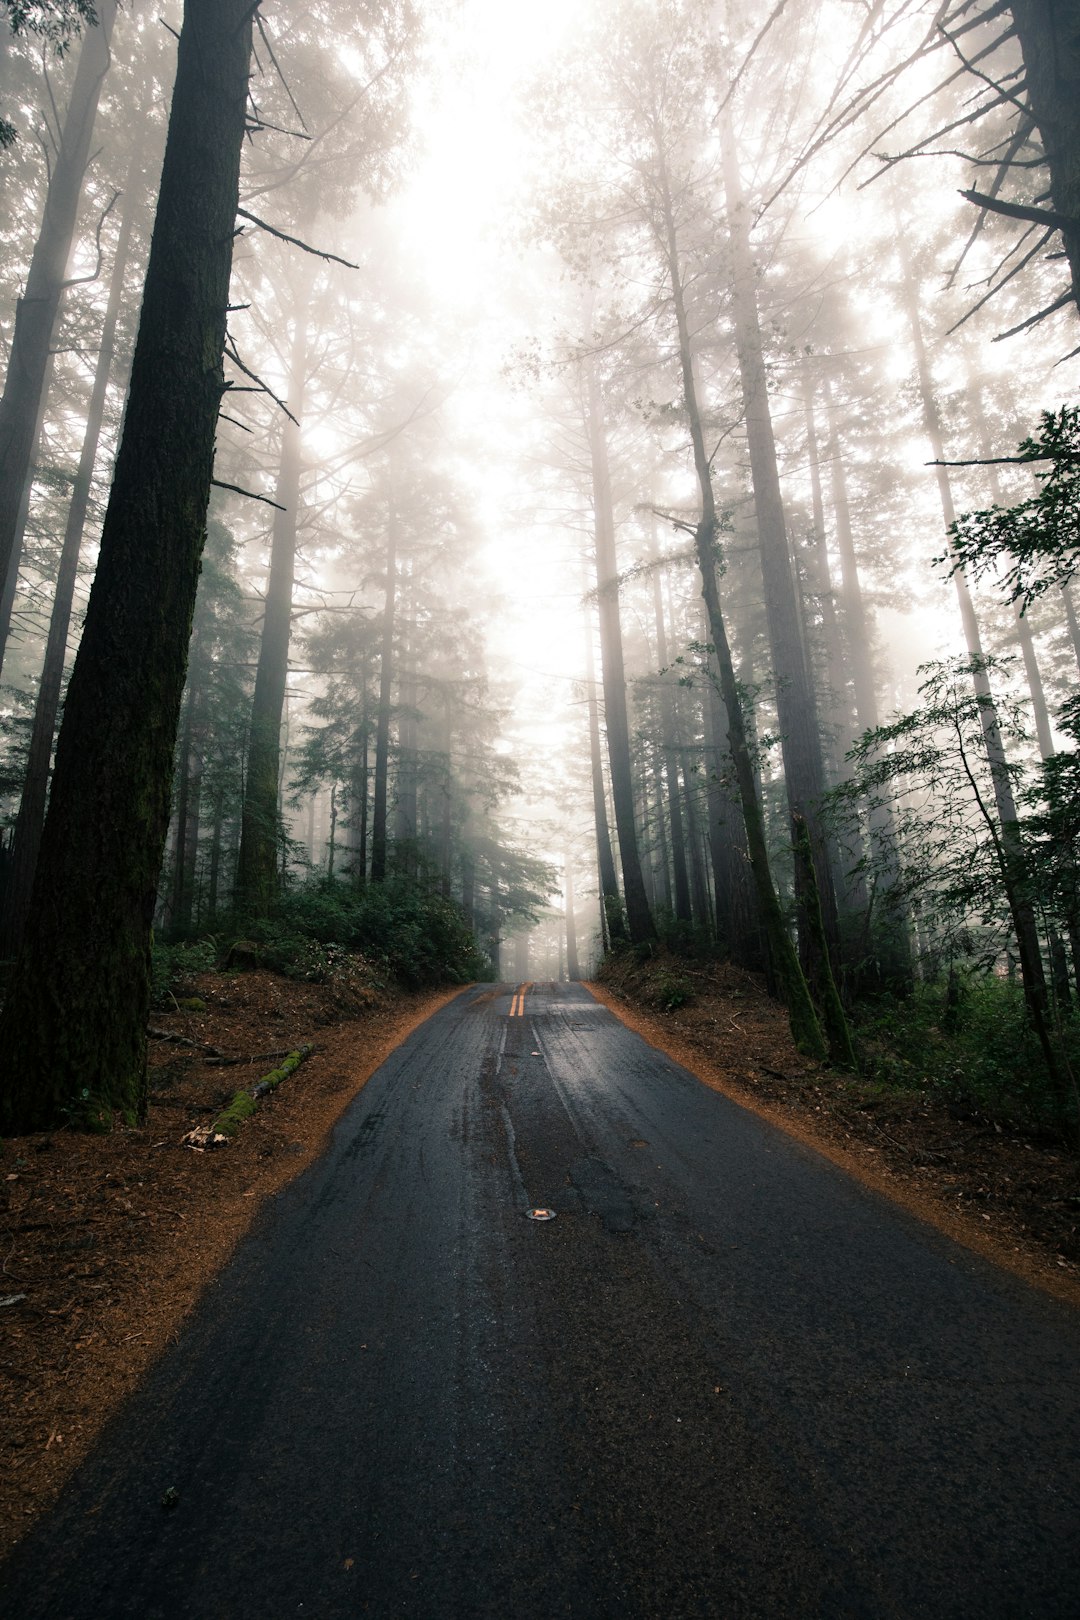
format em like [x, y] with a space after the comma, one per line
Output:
[106, 1242]
[1013, 1197]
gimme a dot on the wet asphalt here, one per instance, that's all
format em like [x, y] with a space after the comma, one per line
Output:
[724, 1381]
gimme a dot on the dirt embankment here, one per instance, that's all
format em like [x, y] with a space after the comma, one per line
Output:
[107, 1242]
[1014, 1199]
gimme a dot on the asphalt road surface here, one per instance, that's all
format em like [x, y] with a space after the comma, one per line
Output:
[725, 1380]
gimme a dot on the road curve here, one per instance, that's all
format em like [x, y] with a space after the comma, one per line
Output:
[724, 1381]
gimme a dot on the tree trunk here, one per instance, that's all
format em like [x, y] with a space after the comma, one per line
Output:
[26, 837]
[187, 814]
[382, 720]
[36, 311]
[638, 916]
[839, 706]
[670, 748]
[804, 774]
[1015, 876]
[890, 944]
[610, 905]
[1050, 42]
[805, 1029]
[213, 877]
[258, 881]
[74, 1024]
[573, 969]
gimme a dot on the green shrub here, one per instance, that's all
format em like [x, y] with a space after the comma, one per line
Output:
[172, 966]
[401, 928]
[970, 1040]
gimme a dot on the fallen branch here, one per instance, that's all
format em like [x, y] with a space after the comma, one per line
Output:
[224, 1062]
[185, 1040]
[243, 1105]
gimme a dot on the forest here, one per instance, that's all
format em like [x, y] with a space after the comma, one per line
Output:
[491, 492]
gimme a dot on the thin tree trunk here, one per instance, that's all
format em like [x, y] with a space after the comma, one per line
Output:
[37, 309]
[386, 676]
[213, 877]
[573, 969]
[837, 678]
[804, 774]
[258, 879]
[75, 1048]
[638, 916]
[891, 939]
[670, 747]
[1014, 873]
[610, 907]
[26, 837]
[805, 1028]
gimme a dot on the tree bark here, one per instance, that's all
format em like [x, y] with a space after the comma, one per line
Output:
[26, 837]
[573, 969]
[74, 1024]
[1050, 42]
[638, 916]
[804, 774]
[258, 881]
[36, 311]
[386, 677]
[670, 749]
[805, 1028]
[610, 904]
[1021, 907]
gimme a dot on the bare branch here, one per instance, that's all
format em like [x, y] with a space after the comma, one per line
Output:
[1033, 320]
[1038, 216]
[79, 281]
[250, 493]
[331, 258]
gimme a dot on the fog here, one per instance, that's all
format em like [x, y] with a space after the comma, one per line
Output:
[515, 295]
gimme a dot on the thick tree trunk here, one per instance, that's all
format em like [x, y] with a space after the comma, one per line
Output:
[258, 880]
[26, 838]
[804, 773]
[638, 916]
[36, 311]
[1049, 35]
[74, 1024]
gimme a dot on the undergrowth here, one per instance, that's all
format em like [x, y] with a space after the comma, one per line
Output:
[400, 930]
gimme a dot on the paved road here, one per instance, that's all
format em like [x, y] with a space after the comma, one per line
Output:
[724, 1381]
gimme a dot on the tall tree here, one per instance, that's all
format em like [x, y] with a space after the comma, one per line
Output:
[75, 1019]
[36, 312]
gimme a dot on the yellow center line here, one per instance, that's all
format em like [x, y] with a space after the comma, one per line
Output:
[517, 1005]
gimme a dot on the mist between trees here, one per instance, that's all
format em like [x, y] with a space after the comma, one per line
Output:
[484, 495]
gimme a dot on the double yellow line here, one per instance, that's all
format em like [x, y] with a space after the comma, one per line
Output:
[517, 1006]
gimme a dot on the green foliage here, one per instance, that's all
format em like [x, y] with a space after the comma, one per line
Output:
[172, 966]
[672, 990]
[1037, 542]
[929, 768]
[410, 931]
[971, 1042]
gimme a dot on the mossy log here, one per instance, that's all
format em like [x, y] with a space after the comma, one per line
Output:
[245, 1103]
